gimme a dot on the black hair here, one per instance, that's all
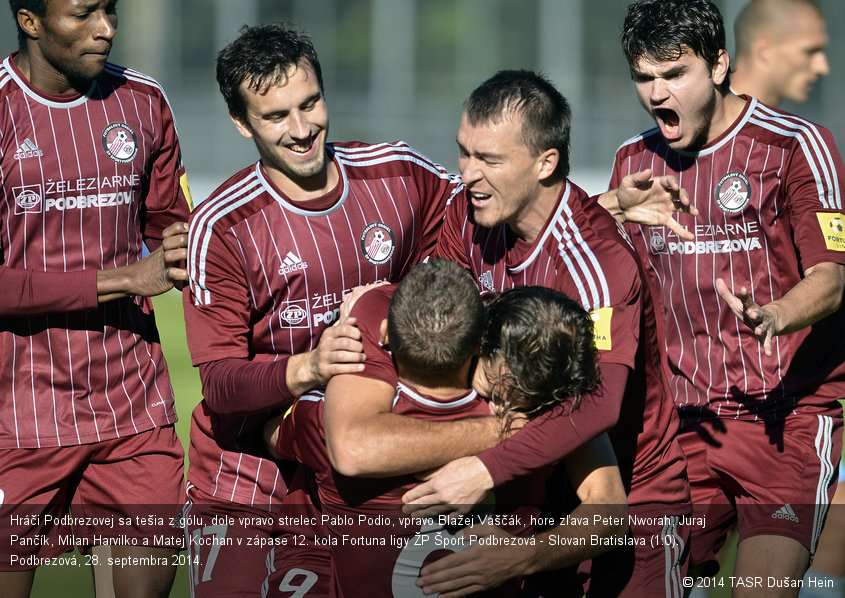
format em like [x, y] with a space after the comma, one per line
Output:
[262, 56]
[546, 115]
[663, 29]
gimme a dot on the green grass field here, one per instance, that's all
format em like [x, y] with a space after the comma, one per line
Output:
[76, 582]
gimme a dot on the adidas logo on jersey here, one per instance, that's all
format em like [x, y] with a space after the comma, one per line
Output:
[785, 512]
[28, 150]
[291, 263]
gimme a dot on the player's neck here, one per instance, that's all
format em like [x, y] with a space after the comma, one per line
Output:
[443, 386]
[43, 77]
[305, 189]
[533, 218]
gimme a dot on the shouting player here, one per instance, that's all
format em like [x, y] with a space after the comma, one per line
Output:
[750, 305]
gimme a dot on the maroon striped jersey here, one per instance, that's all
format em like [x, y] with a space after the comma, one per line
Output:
[268, 276]
[86, 179]
[769, 195]
[583, 253]
[371, 507]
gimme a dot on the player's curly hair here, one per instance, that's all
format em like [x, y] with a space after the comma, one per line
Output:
[661, 29]
[546, 342]
[263, 56]
[435, 318]
[38, 7]
[546, 115]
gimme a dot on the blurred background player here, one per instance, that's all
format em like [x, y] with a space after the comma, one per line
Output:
[537, 350]
[780, 54]
[780, 50]
[750, 307]
[91, 170]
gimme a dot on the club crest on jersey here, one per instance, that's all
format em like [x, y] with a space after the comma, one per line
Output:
[120, 142]
[27, 199]
[377, 243]
[733, 192]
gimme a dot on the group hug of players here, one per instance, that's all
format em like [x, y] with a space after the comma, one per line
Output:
[641, 372]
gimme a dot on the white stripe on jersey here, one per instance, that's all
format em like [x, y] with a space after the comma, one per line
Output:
[590, 279]
[810, 141]
[387, 152]
[199, 237]
[418, 398]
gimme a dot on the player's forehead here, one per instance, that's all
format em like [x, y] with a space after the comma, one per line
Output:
[648, 64]
[65, 6]
[490, 133]
[286, 87]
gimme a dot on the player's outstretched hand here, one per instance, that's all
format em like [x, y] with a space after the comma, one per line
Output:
[655, 201]
[175, 246]
[762, 320]
[454, 488]
[475, 568]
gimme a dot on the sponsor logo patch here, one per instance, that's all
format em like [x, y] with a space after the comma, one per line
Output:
[601, 327]
[733, 193]
[27, 199]
[377, 243]
[120, 142]
[833, 228]
[294, 314]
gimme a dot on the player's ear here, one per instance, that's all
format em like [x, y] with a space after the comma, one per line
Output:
[243, 128]
[721, 68]
[382, 331]
[29, 22]
[547, 163]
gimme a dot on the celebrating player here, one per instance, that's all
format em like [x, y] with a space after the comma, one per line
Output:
[271, 253]
[91, 169]
[536, 351]
[751, 305]
[523, 222]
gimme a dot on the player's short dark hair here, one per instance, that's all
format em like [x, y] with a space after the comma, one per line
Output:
[435, 319]
[664, 29]
[263, 56]
[38, 7]
[763, 17]
[546, 115]
[546, 341]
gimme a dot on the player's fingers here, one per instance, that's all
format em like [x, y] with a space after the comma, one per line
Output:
[175, 229]
[177, 274]
[679, 230]
[640, 177]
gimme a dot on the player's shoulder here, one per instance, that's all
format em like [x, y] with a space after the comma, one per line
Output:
[374, 303]
[232, 201]
[639, 143]
[774, 126]
[120, 76]
[374, 160]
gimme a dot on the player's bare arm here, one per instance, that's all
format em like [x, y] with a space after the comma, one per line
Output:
[365, 439]
[816, 296]
[454, 488]
[649, 201]
[594, 474]
[339, 351]
[149, 276]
